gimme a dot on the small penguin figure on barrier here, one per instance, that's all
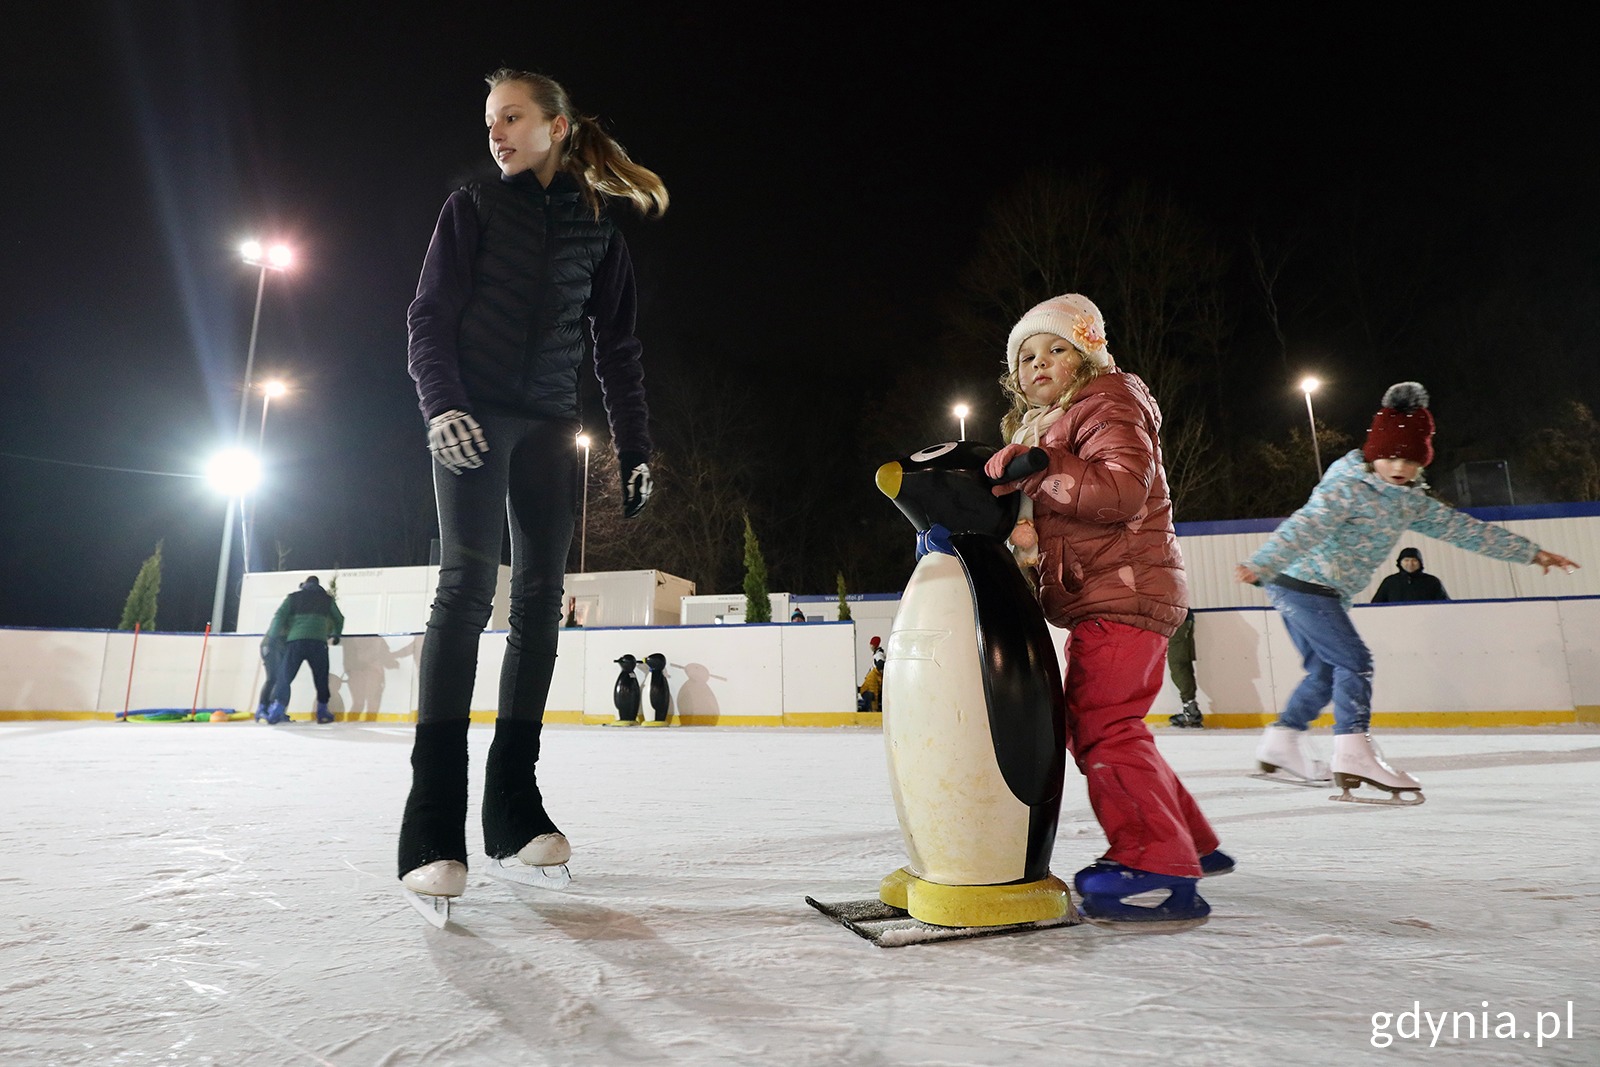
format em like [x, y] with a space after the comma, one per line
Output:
[625, 695]
[660, 693]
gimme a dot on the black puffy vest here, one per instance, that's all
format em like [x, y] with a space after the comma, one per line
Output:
[522, 335]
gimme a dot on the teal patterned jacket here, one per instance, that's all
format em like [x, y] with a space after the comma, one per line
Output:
[1354, 519]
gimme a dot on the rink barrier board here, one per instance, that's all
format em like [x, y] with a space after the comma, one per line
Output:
[1513, 663]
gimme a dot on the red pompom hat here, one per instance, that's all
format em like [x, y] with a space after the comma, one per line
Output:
[1403, 427]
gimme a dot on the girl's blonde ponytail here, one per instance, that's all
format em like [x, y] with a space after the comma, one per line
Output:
[603, 168]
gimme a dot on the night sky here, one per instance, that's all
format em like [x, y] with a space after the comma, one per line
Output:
[830, 174]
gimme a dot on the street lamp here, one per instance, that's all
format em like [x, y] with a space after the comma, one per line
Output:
[583, 536]
[277, 257]
[1308, 385]
[269, 391]
[960, 412]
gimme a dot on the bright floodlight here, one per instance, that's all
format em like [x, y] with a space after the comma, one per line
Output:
[278, 257]
[1309, 385]
[960, 411]
[583, 441]
[234, 471]
[274, 389]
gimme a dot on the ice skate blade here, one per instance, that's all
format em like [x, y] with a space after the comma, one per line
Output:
[621, 722]
[555, 877]
[1286, 778]
[1142, 924]
[435, 909]
[1395, 800]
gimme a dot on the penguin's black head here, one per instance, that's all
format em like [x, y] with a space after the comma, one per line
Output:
[945, 485]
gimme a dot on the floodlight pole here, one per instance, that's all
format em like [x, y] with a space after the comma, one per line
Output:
[220, 598]
[1308, 386]
[583, 535]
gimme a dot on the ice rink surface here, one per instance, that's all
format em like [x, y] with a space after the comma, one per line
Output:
[226, 894]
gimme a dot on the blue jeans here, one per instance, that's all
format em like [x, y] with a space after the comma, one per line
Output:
[311, 652]
[271, 666]
[1337, 662]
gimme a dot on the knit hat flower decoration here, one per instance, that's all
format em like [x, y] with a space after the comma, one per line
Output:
[1088, 333]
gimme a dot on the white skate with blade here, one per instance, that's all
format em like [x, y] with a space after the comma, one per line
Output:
[431, 887]
[1357, 762]
[541, 863]
[1285, 755]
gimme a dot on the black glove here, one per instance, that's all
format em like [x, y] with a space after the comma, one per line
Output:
[334, 640]
[636, 482]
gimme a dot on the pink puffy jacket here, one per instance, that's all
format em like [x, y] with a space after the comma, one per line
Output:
[1107, 549]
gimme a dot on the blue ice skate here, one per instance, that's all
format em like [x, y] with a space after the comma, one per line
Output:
[323, 714]
[1212, 863]
[1107, 889]
[277, 713]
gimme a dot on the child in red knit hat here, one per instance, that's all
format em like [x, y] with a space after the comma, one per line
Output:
[1320, 557]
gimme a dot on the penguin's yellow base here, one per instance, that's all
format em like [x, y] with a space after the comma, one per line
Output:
[976, 905]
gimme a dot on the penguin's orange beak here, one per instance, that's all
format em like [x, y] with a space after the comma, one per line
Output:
[888, 479]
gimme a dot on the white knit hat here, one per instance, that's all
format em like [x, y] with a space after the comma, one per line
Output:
[1071, 316]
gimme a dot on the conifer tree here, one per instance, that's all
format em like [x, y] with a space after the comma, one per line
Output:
[757, 606]
[844, 605]
[141, 604]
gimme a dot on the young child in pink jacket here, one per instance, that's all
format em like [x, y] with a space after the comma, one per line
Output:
[1097, 527]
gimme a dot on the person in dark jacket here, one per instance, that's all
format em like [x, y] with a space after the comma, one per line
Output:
[306, 622]
[1409, 582]
[271, 667]
[522, 275]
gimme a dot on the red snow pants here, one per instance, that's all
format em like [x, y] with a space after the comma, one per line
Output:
[1113, 675]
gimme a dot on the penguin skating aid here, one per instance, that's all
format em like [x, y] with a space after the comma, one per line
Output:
[974, 719]
[625, 694]
[660, 692]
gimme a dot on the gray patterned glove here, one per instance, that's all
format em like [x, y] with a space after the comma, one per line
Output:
[456, 441]
[636, 482]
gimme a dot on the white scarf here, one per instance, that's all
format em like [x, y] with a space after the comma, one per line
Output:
[1029, 433]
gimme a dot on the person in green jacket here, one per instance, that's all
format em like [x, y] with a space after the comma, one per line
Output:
[307, 621]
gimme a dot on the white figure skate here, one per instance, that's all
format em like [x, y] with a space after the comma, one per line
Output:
[541, 863]
[1285, 755]
[1357, 761]
[431, 887]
